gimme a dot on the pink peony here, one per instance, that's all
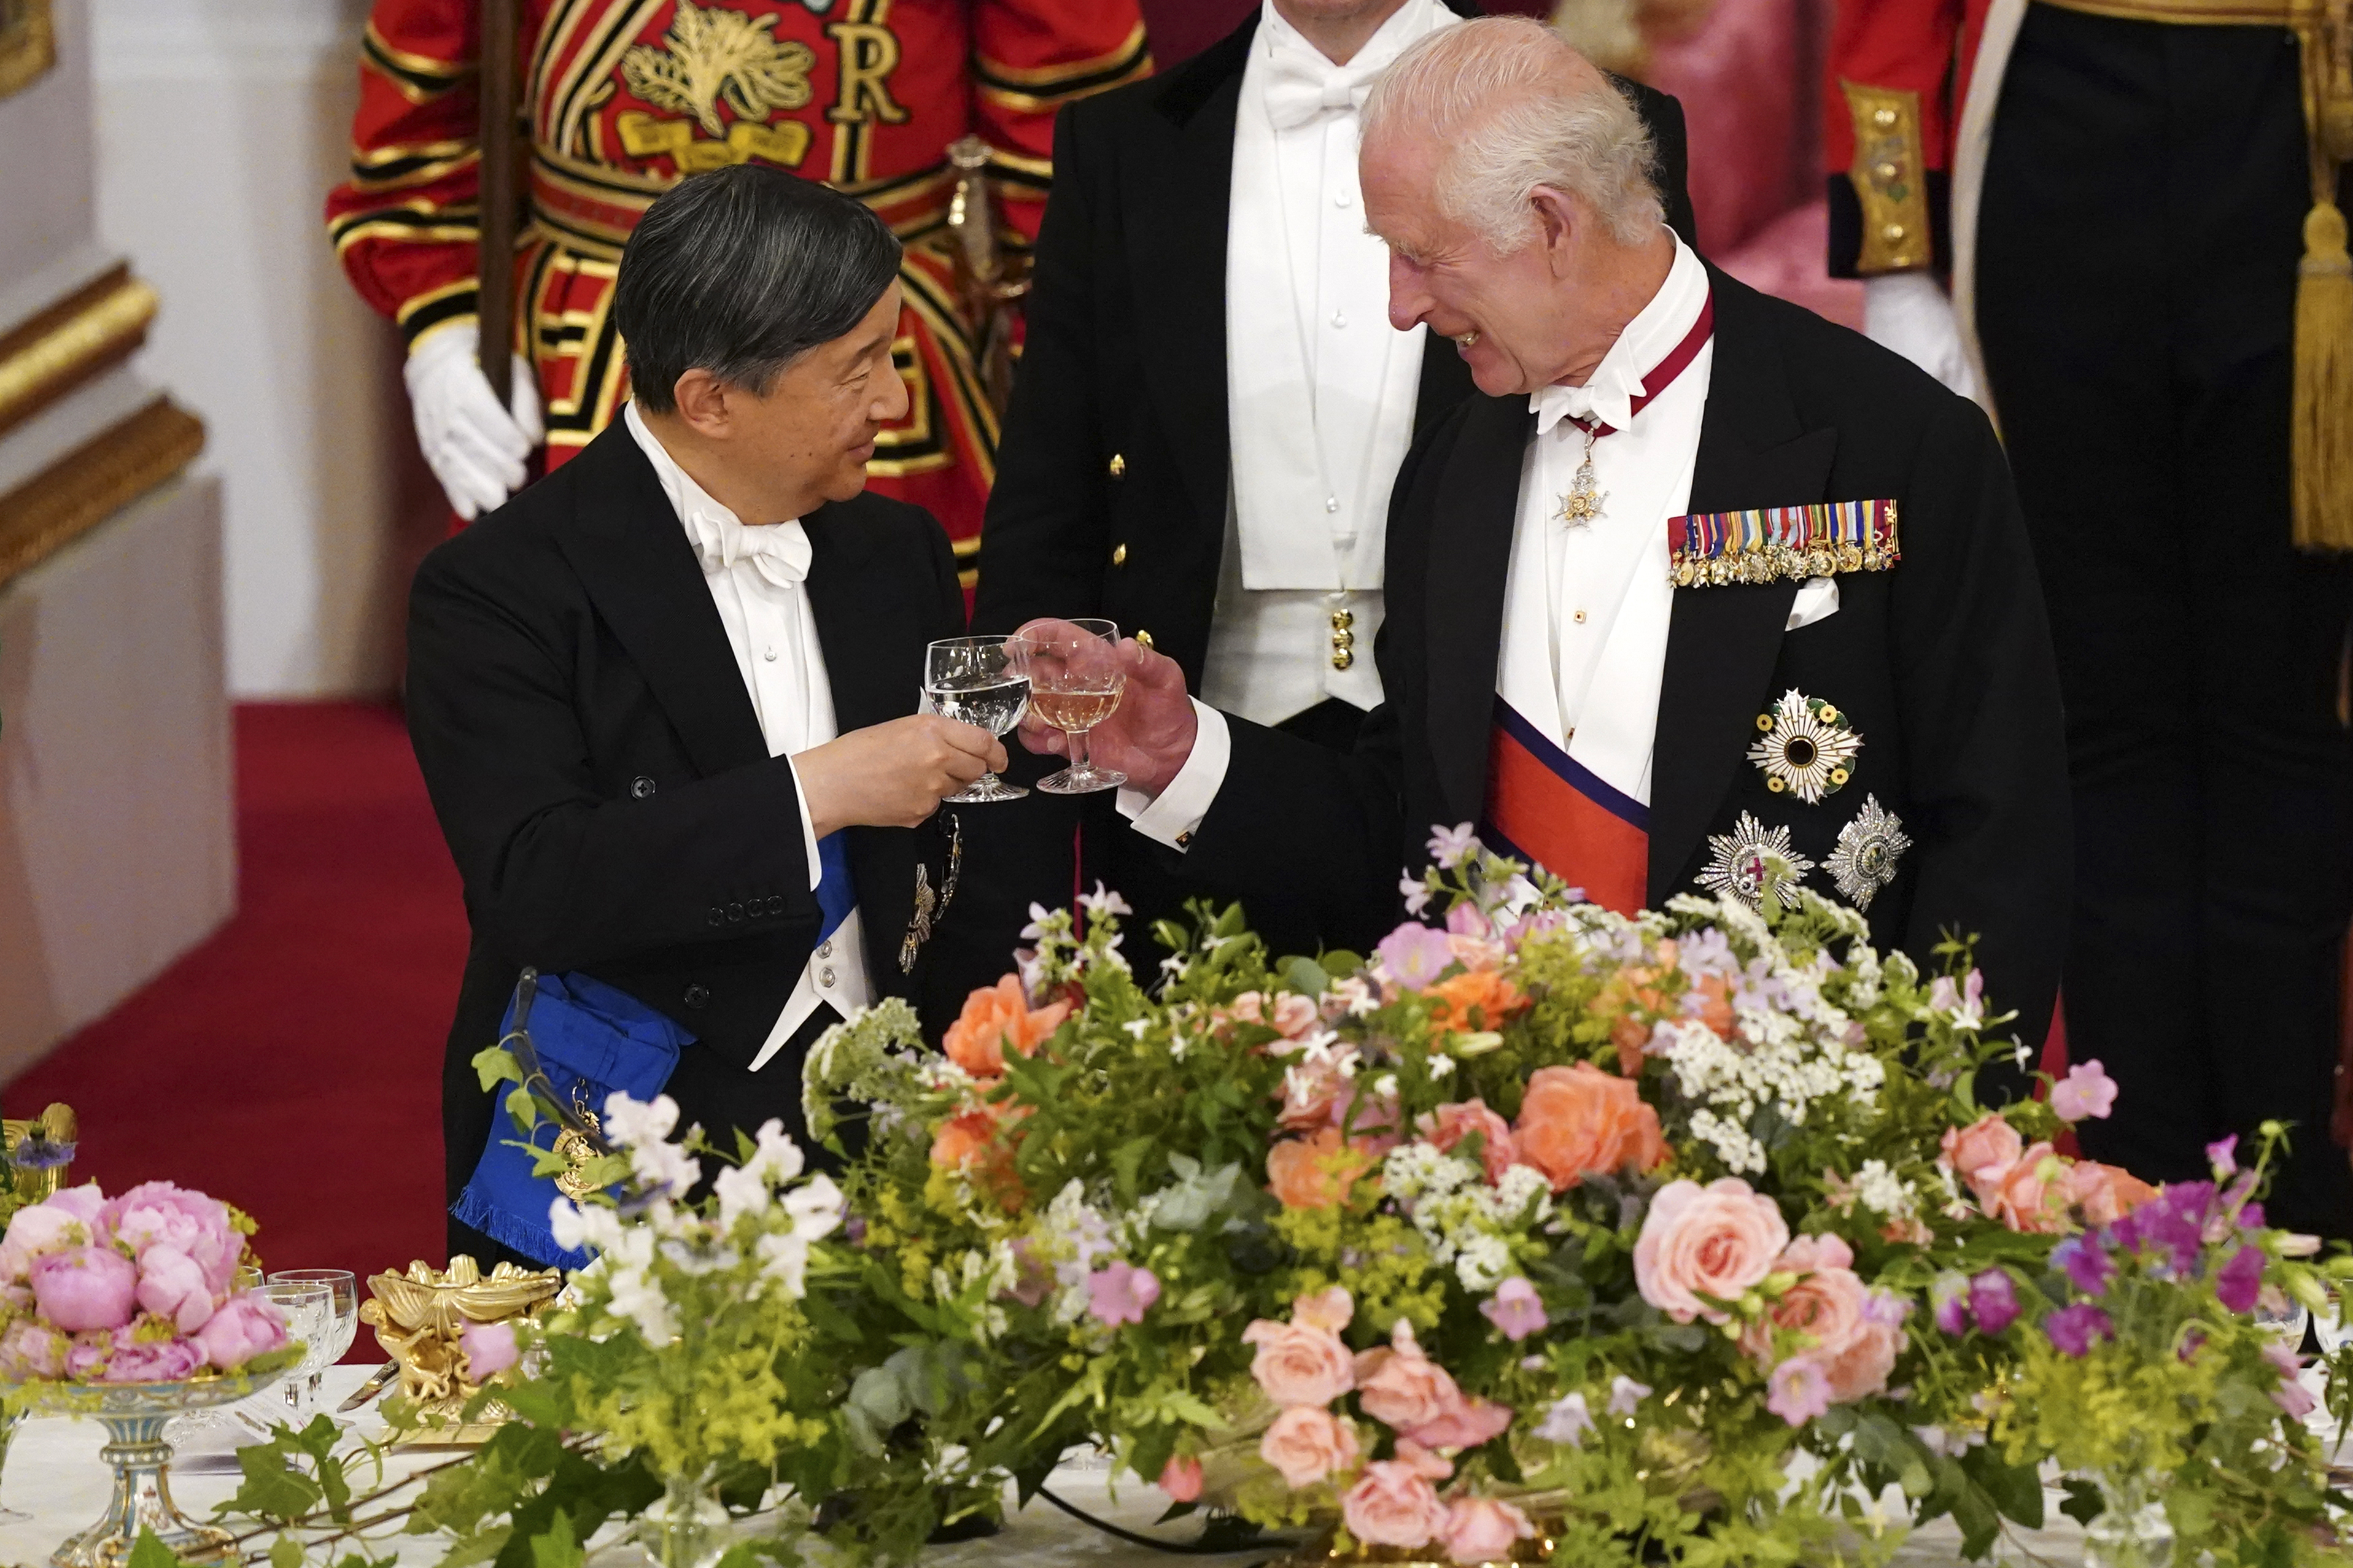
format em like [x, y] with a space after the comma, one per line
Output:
[85, 1357]
[1481, 1529]
[242, 1328]
[30, 1350]
[155, 1212]
[1299, 1366]
[1308, 1444]
[1393, 1505]
[489, 1347]
[1449, 1125]
[163, 1361]
[1515, 1310]
[44, 1227]
[1716, 1241]
[2087, 1092]
[1180, 1478]
[1981, 1154]
[1466, 1423]
[85, 1288]
[1120, 1292]
[86, 1203]
[1330, 1310]
[1825, 1304]
[171, 1286]
[1798, 1390]
[1402, 1388]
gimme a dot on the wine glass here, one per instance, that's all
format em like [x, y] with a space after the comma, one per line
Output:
[342, 1321]
[974, 680]
[308, 1306]
[1075, 683]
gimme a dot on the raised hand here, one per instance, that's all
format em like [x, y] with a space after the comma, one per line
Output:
[1147, 737]
[894, 775]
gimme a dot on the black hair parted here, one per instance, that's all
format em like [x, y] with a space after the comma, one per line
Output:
[742, 270]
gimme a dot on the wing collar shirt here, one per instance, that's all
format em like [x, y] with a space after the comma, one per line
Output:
[1585, 610]
[759, 580]
[1320, 389]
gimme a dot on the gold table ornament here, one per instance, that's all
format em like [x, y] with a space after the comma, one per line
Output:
[417, 1317]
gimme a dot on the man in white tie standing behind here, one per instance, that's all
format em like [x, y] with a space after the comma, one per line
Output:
[1212, 404]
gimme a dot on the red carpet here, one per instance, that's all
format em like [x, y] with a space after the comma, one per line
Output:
[291, 1064]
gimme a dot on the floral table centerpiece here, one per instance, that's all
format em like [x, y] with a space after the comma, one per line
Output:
[1682, 1238]
[125, 1308]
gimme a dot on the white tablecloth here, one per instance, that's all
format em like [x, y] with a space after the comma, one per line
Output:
[53, 1473]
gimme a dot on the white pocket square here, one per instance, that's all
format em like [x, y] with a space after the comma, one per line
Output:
[1817, 600]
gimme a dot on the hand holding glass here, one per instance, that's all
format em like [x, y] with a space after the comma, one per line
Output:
[973, 681]
[1075, 683]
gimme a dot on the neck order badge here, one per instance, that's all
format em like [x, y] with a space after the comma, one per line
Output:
[1582, 504]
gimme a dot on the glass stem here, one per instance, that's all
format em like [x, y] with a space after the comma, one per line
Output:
[1079, 766]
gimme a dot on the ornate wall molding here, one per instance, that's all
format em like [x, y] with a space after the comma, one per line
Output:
[29, 43]
[91, 483]
[90, 331]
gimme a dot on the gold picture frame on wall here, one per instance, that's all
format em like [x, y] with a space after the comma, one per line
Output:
[29, 43]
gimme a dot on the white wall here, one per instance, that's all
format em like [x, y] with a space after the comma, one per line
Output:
[221, 124]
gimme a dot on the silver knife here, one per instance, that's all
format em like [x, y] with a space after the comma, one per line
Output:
[375, 1385]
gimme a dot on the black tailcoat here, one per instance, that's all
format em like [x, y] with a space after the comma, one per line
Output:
[600, 775]
[1943, 665]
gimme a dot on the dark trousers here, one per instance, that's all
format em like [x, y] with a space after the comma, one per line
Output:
[2136, 259]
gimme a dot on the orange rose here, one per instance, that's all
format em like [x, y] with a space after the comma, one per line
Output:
[1633, 1003]
[996, 1019]
[1482, 999]
[2105, 1193]
[970, 1140]
[1314, 1173]
[1579, 1120]
[2032, 1193]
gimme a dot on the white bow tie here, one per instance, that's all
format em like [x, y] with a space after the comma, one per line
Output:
[779, 552]
[1301, 84]
[1608, 397]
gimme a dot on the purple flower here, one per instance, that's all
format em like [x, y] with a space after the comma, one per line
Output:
[2073, 1329]
[2087, 1092]
[2238, 1282]
[2172, 1223]
[1993, 1301]
[2291, 1396]
[2083, 1260]
[1120, 1292]
[1626, 1396]
[1414, 955]
[1948, 1293]
[1798, 1390]
[1515, 1310]
[1889, 1309]
[1464, 920]
[2224, 1156]
[1568, 1421]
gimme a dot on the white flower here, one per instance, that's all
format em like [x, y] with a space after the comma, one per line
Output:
[1449, 846]
[665, 1168]
[1416, 894]
[777, 1159]
[595, 1228]
[1568, 1421]
[1102, 901]
[640, 1300]
[629, 1122]
[1138, 1027]
[783, 1258]
[1482, 1261]
[1036, 929]
[815, 1207]
[1881, 1190]
[740, 1190]
[1626, 1396]
[1385, 1086]
[1440, 1064]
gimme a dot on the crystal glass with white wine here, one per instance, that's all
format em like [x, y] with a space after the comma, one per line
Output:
[1075, 683]
[977, 681]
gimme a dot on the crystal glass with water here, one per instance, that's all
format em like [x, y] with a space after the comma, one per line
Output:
[974, 680]
[309, 1308]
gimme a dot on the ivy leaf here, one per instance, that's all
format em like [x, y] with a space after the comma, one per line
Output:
[285, 1552]
[2083, 1503]
[271, 1489]
[149, 1553]
[554, 1547]
[2016, 1490]
[496, 1064]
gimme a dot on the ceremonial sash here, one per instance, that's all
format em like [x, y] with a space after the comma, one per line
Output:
[1545, 807]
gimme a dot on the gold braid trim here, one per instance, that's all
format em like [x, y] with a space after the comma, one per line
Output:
[1891, 180]
[93, 481]
[2321, 445]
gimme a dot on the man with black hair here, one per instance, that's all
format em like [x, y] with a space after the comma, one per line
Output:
[665, 700]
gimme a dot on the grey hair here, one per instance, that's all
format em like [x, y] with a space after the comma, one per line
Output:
[741, 271]
[1490, 89]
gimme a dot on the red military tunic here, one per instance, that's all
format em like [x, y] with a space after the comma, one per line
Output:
[624, 96]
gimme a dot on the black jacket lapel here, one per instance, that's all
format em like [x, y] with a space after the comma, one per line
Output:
[633, 556]
[1470, 558]
[1177, 224]
[1722, 643]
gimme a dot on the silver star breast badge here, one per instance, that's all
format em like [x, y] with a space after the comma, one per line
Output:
[1738, 860]
[1864, 859]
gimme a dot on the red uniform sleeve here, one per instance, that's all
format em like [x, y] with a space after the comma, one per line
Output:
[405, 223]
[1030, 57]
[1887, 134]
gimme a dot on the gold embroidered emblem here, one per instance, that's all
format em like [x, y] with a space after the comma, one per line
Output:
[712, 55]
[1582, 504]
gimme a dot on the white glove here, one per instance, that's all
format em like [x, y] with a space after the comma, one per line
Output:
[1910, 313]
[477, 449]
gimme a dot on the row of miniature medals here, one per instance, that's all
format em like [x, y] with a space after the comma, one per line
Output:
[1807, 748]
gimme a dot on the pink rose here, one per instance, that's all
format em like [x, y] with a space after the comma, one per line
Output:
[1308, 1444]
[1330, 1310]
[171, 1286]
[2031, 1194]
[165, 1361]
[1465, 1425]
[490, 1348]
[1393, 1505]
[1481, 1529]
[1451, 1124]
[1180, 1478]
[1981, 1154]
[1718, 1241]
[85, 1288]
[1825, 1304]
[1402, 1388]
[1861, 1369]
[158, 1212]
[32, 1350]
[1295, 1015]
[1299, 1366]
[1309, 1092]
[242, 1328]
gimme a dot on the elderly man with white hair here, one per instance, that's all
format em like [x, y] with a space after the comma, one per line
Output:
[1701, 579]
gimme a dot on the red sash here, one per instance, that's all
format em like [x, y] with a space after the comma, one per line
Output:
[1544, 808]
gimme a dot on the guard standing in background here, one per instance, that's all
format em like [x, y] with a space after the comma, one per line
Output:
[2136, 203]
[621, 98]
